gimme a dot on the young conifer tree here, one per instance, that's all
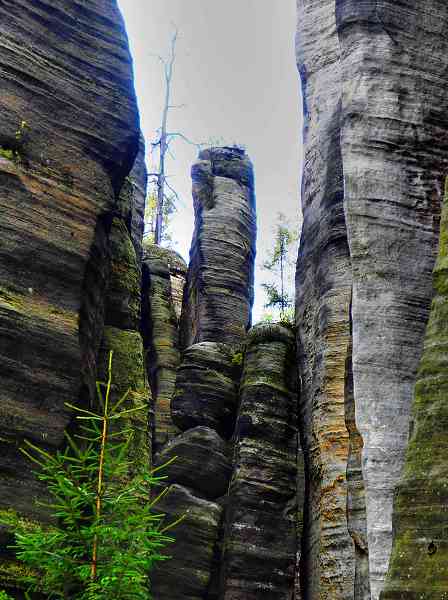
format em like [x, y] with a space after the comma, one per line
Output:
[280, 265]
[107, 535]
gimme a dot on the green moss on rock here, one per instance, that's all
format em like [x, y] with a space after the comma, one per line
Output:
[419, 562]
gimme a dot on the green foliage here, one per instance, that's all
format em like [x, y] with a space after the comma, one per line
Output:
[168, 210]
[280, 266]
[4, 595]
[108, 536]
[237, 358]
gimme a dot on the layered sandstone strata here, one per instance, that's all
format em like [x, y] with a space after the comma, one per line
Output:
[219, 289]
[373, 77]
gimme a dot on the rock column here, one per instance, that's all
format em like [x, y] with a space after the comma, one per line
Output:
[160, 324]
[419, 563]
[219, 290]
[260, 533]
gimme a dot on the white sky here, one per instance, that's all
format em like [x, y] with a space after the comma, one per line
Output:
[235, 72]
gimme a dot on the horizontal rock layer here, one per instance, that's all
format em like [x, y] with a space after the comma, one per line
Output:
[207, 388]
[187, 574]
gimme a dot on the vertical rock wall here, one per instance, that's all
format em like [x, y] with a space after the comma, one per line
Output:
[160, 325]
[323, 291]
[374, 79]
[71, 229]
[419, 563]
[260, 532]
[219, 290]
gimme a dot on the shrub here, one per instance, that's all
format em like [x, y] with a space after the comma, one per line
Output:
[108, 535]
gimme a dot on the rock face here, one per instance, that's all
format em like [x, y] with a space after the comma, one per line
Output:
[375, 156]
[186, 576]
[71, 224]
[260, 531]
[219, 289]
[207, 388]
[160, 326]
[419, 563]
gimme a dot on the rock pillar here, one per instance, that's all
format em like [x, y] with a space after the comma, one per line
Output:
[219, 290]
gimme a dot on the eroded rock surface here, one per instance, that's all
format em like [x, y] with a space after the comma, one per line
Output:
[202, 462]
[323, 290]
[187, 575]
[207, 388]
[219, 289]
[161, 332]
[419, 563]
[260, 532]
[70, 137]
[375, 138]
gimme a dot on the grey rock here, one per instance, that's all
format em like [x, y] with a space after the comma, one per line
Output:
[187, 574]
[394, 153]
[207, 388]
[323, 292]
[161, 335]
[260, 533]
[219, 290]
[202, 462]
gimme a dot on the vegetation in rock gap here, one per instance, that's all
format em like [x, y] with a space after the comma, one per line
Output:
[108, 534]
[280, 266]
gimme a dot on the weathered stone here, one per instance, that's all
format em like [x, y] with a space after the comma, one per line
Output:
[160, 330]
[394, 147]
[219, 289]
[69, 138]
[187, 574]
[123, 293]
[202, 462]
[207, 388]
[419, 562]
[128, 373]
[323, 290]
[375, 138]
[260, 534]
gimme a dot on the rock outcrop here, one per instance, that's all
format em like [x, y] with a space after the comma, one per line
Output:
[419, 563]
[71, 227]
[260, 537]
[163, 281]
[219, 290]
[207, 388]
[375, 157]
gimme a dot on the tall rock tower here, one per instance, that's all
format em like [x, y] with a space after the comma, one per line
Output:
[219, 290]
[374, 78]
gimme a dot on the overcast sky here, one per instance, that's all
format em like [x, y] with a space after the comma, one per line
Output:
[235, 72]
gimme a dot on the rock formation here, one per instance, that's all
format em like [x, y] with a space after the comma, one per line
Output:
[260, 531]
[219, 289]
[71, 229]
[162, 284]
[375, 155]
[419, 563]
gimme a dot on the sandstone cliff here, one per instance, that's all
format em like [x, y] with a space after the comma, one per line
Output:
[72, 221]
[373, 77]
[219, 289]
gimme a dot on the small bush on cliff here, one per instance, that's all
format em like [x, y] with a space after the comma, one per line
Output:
[108, 536]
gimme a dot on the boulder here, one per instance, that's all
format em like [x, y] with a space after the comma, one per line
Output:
[207, 388]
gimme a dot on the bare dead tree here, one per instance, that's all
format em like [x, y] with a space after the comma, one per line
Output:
[162, 142]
